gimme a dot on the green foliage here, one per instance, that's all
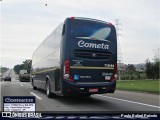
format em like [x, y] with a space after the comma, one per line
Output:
[152, 69]
[151, 86]
[131, 74]
[131, 69]
[3, 69]
[24, 66]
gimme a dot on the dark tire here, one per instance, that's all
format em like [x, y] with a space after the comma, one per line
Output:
[34, 87]
[48, 92]
[85, 95]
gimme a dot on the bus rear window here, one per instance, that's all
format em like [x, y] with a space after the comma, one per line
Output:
[90, 30]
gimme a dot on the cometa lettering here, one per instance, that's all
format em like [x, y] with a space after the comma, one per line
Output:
[18, 100]
[81, 43]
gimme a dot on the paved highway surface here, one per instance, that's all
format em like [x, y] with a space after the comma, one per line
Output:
[119, 101]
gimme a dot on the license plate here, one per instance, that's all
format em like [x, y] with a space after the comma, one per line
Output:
[93, 90]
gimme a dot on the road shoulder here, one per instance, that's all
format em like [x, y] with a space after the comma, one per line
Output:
[147, 98]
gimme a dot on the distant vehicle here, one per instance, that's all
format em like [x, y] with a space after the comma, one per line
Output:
[23, 76]
[7, 78]
[1, 79]
[22, 72]
[78, 58]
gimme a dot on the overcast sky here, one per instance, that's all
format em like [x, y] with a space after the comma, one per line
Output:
[26, 23]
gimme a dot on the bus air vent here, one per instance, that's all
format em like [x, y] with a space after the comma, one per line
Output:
[92, 54]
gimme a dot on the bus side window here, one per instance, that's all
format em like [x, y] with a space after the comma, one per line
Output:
[63, 31]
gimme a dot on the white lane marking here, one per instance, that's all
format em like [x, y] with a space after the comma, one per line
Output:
[130, 101]
[21, 85]
[36, 95]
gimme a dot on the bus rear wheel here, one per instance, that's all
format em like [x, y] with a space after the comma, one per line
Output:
[34, 87]
[85, 95]
[49, 94]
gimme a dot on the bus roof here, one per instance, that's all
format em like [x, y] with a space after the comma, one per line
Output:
[90, 19]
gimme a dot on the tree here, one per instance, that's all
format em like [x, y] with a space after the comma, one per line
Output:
[152, 69]
[3, 70]
[24, 66]
[148, 69]
[156, 69]
[131, 69]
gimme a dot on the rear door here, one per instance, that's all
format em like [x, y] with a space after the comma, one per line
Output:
[93, 51]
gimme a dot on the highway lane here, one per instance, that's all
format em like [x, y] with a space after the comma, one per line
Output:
[8, 72]
[120, 101]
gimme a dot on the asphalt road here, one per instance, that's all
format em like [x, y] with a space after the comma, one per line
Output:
[119, 101]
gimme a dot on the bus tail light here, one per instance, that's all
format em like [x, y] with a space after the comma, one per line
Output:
[66, 69]
[110, 24]
[114, 76]
[72, 18]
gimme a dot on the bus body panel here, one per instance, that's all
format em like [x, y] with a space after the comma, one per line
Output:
[88, 72]
[68, 42]
[46, 61]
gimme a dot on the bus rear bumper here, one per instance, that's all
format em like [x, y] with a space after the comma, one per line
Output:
[72, 88]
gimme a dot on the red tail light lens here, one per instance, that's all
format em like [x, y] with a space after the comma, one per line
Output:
[66, 69]
[110, 24]
[72, 18]
[115, 68]
[114, 76]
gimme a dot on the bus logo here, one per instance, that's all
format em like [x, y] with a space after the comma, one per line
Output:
[84, 44]
[76, 77]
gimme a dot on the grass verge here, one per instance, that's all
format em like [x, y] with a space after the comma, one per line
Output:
[150, 86]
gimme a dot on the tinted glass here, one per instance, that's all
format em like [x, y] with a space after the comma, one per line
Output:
[89, 29]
